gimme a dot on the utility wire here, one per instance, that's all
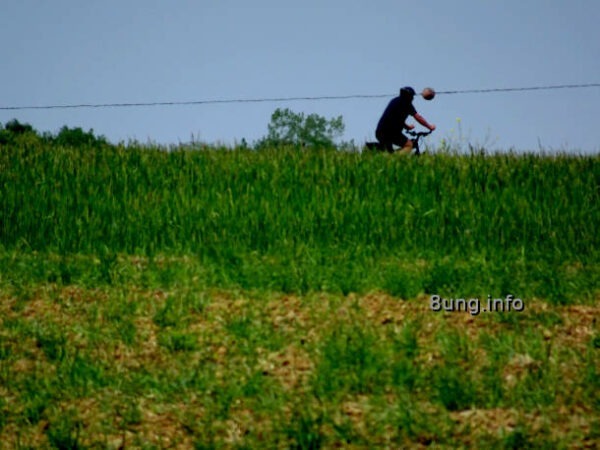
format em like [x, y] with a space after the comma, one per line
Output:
[518, 89]
[289, 99]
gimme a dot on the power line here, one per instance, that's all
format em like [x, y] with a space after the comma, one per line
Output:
[287, 99]
[518, 89]
[197, 102]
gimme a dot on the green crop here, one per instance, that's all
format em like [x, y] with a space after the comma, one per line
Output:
[299, 220]
[280, 298]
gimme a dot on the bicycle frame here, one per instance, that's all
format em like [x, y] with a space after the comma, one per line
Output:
[415, 136]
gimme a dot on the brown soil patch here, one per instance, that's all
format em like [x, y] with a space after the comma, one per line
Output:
[291, 366]
[382, 309]
[287, 314]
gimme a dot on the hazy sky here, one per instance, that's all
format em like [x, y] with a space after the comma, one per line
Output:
[109, 51]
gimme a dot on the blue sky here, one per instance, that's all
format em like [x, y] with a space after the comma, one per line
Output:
[109, 51]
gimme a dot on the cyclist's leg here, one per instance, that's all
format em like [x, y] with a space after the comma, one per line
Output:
[385, 141]
[405, 144]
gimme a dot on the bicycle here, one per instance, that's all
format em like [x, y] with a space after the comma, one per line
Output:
[415, 137]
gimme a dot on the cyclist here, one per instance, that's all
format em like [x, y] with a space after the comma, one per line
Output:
[393, 120]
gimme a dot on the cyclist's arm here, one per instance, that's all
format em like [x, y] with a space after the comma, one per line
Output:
[419, 118]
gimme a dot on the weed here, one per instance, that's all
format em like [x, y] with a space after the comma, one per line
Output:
[64, 431]
[52, 342]
[353, 360]
[304, 429]
[178, 341]
[171, 314]
[455, 387]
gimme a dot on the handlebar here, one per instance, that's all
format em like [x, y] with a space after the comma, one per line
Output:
[419, 133]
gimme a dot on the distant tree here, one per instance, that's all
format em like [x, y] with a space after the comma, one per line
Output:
[288, 127]
[76, 137]
[16, 127]
[15, 131]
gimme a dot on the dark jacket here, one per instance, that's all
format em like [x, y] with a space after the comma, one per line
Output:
[394, 117]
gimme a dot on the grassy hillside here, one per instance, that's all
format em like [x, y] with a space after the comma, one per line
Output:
[281, 298]
[296, 221]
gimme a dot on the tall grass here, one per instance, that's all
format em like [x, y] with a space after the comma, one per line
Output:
[313, 218]
[144, 299]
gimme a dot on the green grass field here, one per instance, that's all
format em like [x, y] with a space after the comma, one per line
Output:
[231, 298]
